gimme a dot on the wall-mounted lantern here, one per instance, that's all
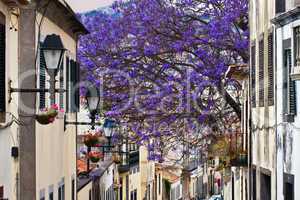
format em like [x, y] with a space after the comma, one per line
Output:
[93, 102]
[53, 50]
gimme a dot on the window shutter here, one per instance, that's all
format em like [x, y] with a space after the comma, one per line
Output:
[42, 80]
[270, 71]
[68, 84]
[285, 75]
[291, 88]
[280, 6]
[61, 85]
[74, 86]
[261, 73]
[1, 192]
[2, 74]
[72, 77]
[77, 82]
[253, 74]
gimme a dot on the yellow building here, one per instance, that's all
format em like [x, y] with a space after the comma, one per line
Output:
[136, 176]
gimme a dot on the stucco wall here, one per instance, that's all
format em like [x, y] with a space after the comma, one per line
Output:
[9, 136]
[83, 194]
[288, 133]
[56, 148]
[263, 139]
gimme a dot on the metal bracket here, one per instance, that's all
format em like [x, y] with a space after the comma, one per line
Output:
[29, 90]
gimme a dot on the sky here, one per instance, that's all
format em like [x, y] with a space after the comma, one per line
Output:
[86, 5]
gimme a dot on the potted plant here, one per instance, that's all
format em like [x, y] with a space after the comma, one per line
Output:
[47, 115]
[90, 139]
[95, 156]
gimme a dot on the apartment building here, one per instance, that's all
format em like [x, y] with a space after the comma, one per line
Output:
[38, 161]
[287, 43]
[263, 119]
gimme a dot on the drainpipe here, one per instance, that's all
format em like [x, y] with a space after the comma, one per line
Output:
[249, 118]
[275, 103]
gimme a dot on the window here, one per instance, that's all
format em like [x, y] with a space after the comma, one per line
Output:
[279, 6]
[90, 194]
[61, 191]
[51, 195]
[261, 73]
[135, 194]
[2, 69]
[289, 87]
[127, 187]
[149, 192]
[270, 71]
[288, 186]
[42, 194]
[131, 195]
[73, 189]
[1, 192]
[121, 189]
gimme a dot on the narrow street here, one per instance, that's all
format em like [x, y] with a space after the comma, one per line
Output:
[149, 99]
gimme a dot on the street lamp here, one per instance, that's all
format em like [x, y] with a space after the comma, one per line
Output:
[93, 100]
[53, 50]
[109, 126]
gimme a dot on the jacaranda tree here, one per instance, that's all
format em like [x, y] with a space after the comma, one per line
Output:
[161, 66]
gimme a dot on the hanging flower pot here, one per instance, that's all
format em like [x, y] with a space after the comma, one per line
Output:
[90, 139]
[47, 115]
[95, 156]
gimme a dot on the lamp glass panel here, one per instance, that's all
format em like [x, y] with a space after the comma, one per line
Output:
[93, 103]
[108, 132]
[52, 58]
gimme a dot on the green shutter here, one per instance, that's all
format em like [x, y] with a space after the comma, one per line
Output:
[42, 80]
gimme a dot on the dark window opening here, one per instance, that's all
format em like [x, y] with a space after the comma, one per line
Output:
[265, 187]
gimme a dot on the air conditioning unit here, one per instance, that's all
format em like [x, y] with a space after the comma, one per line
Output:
[295, 73]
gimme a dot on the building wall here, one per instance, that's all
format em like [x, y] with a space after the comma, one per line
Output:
[83, 194]
[9, 136]
[288, 133]
[56, 148]
[263, 137]
[107, 180]
[176, 190]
